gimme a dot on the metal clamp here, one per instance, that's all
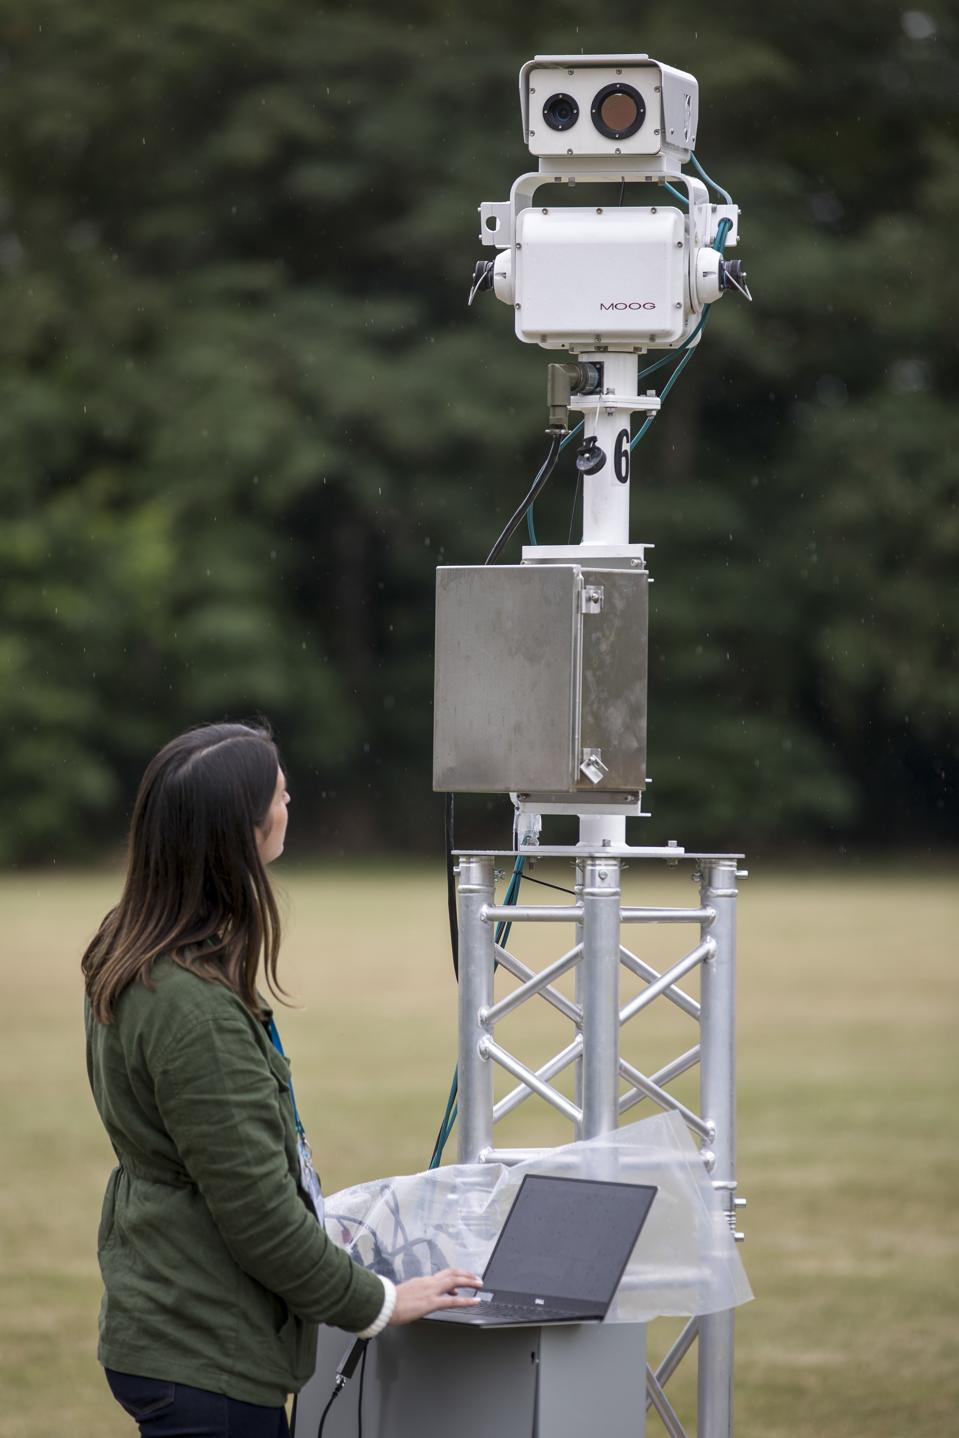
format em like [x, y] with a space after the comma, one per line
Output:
[593, 767]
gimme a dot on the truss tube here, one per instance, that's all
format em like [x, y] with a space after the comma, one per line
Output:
[549, 1070]
[665, 981]
[476, 949]
[646, 971]
[508, 1061]
[580, 995]
[509, 1156]
[677, 1353]
[652, 1090]
[600, 963]
[665, 1075]
[666, 916]
[519, 970]
[531, 913]
[717, 1089]
[656, 1397]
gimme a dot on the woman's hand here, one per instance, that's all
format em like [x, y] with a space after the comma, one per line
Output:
[418, 1296]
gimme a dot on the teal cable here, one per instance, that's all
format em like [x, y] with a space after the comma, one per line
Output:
[724, 194]
[449, 1118]
[678, 193]
[668, 359]
[572, 434]
[722, 231]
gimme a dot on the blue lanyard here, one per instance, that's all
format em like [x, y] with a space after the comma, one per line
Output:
[274, 1035]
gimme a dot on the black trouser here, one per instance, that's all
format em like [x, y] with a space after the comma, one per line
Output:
[175, 1410]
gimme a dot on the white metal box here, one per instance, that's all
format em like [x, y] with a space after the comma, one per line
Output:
[586, 274]
[540, 680]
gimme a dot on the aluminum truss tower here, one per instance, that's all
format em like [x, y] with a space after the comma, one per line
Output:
[606, 1085]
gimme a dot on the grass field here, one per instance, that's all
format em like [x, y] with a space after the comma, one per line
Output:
[847, 1138]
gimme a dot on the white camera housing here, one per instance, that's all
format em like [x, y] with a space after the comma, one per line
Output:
[561, 97]
[608, 276]
[617, 276]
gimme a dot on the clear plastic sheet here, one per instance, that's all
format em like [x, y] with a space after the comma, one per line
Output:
[685, 1262]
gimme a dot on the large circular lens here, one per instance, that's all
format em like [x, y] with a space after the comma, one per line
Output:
[560, 112]
[618, 111]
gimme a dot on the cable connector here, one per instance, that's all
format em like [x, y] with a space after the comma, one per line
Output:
[349, 1361]
[562, 382]
[345, 1370]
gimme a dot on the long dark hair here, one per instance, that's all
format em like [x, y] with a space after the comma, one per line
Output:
[195, 885]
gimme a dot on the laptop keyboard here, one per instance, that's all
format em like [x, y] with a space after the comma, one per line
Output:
[530, 1310]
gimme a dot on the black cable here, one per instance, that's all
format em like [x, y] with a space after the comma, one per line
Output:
[332, 1399]
[543, 883]
[538, 485]
[451, 887]
[572, 513]
[359, 1400]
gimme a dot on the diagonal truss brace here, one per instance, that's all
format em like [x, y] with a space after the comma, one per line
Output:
[534, 984]
[650, 1089]
[490, 1050]
[645, 971]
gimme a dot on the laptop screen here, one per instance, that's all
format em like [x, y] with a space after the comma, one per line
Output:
[568, 1238]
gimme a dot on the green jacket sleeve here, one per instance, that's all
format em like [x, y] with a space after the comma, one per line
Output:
[220, 1103]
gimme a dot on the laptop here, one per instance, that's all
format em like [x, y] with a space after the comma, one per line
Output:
[560, 1253]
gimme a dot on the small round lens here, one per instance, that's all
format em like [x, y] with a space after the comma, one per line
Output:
[618, 111]
[560, 112]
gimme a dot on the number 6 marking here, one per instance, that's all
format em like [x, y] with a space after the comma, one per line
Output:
[621, 457]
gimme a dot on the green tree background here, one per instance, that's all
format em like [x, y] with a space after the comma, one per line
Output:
[244, 410]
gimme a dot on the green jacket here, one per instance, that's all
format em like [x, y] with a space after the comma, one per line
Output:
[215, 1269]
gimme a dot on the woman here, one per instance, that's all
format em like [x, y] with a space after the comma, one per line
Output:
[216, 1270]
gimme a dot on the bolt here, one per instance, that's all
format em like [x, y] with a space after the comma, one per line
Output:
[657, 88]
[569, 152]
[519, 245]
[617, 151]
[532, 90]
[652, 210]
[603, 874]
[619, 72]
[679, 243]
[545, 212]
[532, 132]
[599, 209]
[655, 132]
[516, 306]
[678, 305]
